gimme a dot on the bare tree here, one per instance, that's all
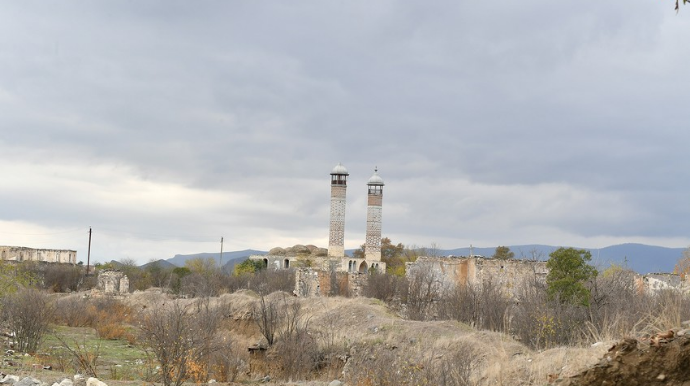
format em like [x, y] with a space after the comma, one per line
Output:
[266, 315]
[424, 291]
[28, 313]
[62, 277]
[84, 358]
[180, 337]
[384, 286]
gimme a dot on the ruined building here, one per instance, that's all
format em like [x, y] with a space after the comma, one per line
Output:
[316, 265]
[112, 282]
[43, 255]
[447, 272]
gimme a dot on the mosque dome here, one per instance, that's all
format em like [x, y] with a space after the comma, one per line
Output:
[375, 179]
[340, 169]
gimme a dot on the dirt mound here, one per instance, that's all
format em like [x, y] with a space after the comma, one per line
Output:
[632, 362]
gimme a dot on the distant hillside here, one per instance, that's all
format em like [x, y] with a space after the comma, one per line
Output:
[639, 257]
[229, 258]
[163, 264]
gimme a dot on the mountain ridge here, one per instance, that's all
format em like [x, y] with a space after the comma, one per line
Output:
[641, 258]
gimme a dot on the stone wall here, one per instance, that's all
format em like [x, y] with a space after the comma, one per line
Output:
[318, 282]
[279, 258]
[654, 282]
[112, 283]
[456, 271]
[31, 254]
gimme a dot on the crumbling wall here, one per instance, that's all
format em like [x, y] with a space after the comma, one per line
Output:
[450, 272]
[654, 282]
[112, 282]
[510, 274]
[318, 282]
[31, 254]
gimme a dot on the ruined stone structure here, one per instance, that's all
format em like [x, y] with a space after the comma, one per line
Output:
[44, 255]
[511, 274]
[112, 282]
[293, 257]
[320, 282]
[655, 282]
[447, 272]
[336, 235]
[334, 259]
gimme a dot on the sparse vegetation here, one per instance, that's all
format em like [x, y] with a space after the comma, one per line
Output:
[27, 314]
[447, 335]
[182, 339]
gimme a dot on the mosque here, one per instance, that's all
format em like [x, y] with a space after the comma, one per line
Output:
[334, 259]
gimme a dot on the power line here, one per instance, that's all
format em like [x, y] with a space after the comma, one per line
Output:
[42, 234]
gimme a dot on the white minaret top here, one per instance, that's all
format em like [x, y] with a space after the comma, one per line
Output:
[376, 179]
[340, 169]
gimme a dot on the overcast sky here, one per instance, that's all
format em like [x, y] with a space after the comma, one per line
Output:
[166, 125]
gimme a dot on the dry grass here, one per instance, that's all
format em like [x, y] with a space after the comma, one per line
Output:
[364, 328]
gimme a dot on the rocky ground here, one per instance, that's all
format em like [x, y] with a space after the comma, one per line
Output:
[659, 360]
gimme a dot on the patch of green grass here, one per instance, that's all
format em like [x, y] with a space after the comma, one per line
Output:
[115, 359]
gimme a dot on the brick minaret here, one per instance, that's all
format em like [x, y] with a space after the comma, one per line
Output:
[336, 236]
[372, 248]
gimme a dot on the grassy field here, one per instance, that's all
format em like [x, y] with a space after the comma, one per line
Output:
[67, 349]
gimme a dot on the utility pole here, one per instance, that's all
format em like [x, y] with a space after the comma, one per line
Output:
[88, 256]
[220, 260]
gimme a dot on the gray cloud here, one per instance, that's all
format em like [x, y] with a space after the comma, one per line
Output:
[491, 122]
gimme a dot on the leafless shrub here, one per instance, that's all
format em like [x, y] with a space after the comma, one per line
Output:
[235, 283]
[294, 350]
[298, 354]
[385, 287]
[198, 285]
[617, 305]
[182, 339]
[28, 313]
[263, 281]
[73, 312]
[84, 358]
[541, 323]
[63, 277]
[461, 303]
[226, 363]
[668, 308]
[381, 365]
[424, 290]
[268, 281]
[483, 306]
[267, 318]
[456, 369]
[333, 352]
